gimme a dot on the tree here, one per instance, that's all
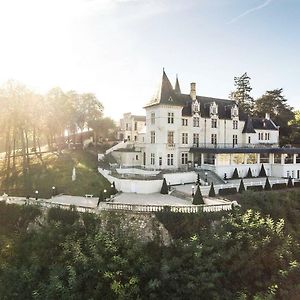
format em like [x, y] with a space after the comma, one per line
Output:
[242, 93]
[268, 185]
[262, 172]
[294, 126]
[198, 198]
[164, 189]
[235, 174]
[212, 192]
[274, 103]
[242, 187]
[249, 174]
[104, 128]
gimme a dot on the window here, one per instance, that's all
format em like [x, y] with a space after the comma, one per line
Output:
[184, 138]
[136, 157]
[260, 136]
[135, 138]
[234, 139]
[213, 123]
[249, 139]
[152, 139]
[235, 124]
[170, 158]
[152, 159]
[196, 139]
[196, 121]
[135, 125]
[152, 118]
[160, 160]
[127, 126]
[170, 137]
[266, 136]
[214, 139]
[184, 122]
[170, 118]
[128, 137]
[184, 158]
[264, 158]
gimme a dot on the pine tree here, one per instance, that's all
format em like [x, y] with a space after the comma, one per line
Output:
[268, 185]
[242, 187]
[290, 183]
[212, 192]
[249, 174]
[198, 199]
[242, 93]
[164, 189]
[262, 172]
[235, 174]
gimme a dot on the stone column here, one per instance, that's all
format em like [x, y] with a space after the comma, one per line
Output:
[294, 159]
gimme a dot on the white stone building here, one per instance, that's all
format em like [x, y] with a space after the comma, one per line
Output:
[185, 131]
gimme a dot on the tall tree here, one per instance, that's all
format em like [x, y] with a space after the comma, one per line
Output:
[242, 93]
[274, 103]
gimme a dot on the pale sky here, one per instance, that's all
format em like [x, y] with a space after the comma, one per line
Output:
[117, 48]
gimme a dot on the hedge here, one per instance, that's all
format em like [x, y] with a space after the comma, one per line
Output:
[297, 184]
[256, 188]
[227, 191]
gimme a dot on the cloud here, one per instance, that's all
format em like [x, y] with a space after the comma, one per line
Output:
[249, 11]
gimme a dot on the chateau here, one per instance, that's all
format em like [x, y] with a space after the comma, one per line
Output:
[187, 130]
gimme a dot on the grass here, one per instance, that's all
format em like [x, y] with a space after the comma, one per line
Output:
[53, 169]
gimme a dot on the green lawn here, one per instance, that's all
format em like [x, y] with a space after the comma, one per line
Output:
[53, 169]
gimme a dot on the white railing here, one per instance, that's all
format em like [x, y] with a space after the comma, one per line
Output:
[120, 145]
[171, 208]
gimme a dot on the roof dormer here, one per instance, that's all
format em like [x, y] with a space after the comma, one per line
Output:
[234, 111]
[196, 106]
[213, 109]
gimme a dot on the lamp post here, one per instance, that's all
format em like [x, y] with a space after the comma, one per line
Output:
[36, 195]
[206, 178]
[104, 194]
[193, 191]
[53, 191]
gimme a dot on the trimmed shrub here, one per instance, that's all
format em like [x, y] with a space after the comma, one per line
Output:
[278, 186]
[198, 199]
[262, 172]
[227, 191]
[255, 188]
[164, 189]
[114, 190]
[242, 187]
[212, 192]
[297, 184]
[268, 185]
[235, 174]
[290, 183]
[249, 174]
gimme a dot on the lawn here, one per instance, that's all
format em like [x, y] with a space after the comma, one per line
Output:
[54, 169]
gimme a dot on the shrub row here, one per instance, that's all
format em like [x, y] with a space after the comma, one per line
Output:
[255, 188]
[278, 186]
[297, 184]
[227, 191]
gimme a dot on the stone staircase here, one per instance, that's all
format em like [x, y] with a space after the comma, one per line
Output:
[211, 176]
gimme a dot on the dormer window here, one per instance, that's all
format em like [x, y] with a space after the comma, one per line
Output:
[214, 109]
[234, 112]
[171, 99]
[196, 106]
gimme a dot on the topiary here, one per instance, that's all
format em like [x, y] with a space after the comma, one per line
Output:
[249, 174]
[242, 187]
[262, 172]
[198, 199]
[290, 183]
[212, 192]
[268, 185]
[164, 189]
[235, 174]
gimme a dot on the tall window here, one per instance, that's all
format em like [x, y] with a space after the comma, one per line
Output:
[170, 137]
[135, 125]
[170, 118]
[196, 139]
[127, 126]
[170, 159]
[196, 121]
[260, 136]
[185, 138]
[152, 159]
[184, 122]
[184, 158]
[249, 139]
[235, 124]
[214, 139]
[213, 123]
[234, 139]
[153, 118]
[152, 137]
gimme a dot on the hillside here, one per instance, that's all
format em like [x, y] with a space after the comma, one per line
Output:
[54, 169]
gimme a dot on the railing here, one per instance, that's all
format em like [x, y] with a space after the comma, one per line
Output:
[231, 145]
[166, 208]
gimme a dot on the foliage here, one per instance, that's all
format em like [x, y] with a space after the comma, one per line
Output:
[164, 189]
[198, 198]
[278, 186]
[227, 191]
[241, 187]
[212, 192]
[256, 188]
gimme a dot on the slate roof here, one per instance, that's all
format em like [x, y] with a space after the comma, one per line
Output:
[167, 95]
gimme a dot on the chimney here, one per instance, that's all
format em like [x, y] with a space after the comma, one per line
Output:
[193, 91]
[267, 117]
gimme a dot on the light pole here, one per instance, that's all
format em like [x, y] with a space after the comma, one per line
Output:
[193, 191]
[206, 178]
[53, 191]
[36, 195]
[104, 195]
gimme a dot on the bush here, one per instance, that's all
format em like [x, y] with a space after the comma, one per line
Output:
[278, 186]
[198, 199]
[212, 192]
[249, 174]
[297, 184]
[66, 216]
[255, 188]
[241, 187]
[227, 191]
[268, 185]
[164, 189]
[235, 174]
[262, 172]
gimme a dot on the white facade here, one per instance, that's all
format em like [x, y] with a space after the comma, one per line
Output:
[130, 126]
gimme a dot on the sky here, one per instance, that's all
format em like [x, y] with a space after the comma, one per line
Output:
[117, 49]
